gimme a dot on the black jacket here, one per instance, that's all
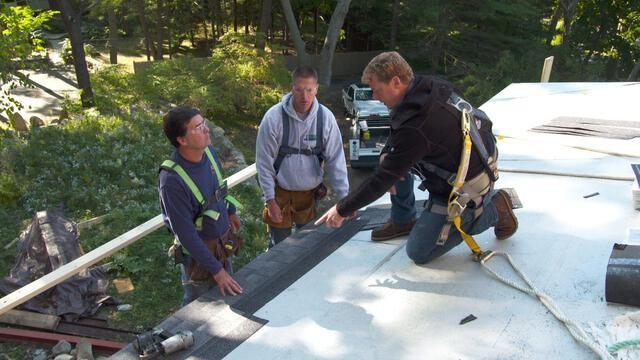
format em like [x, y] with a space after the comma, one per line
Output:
[423, 127]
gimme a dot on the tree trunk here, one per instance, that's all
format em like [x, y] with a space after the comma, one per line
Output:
[329, 47]
[292, 25]
[440, 35]
[235, 16]
[72, 21]
[246, 17]
[348, 38]
[316, 14]
[225, 27]
[145, 28]
[265, 24]
[113, 35]
[301, 22]
[554, 23]
[213, 13]
[159, 23]
[170, 34]
[634, 73]
[569, 10]
[394, 24]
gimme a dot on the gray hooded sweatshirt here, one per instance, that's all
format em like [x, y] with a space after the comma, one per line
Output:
[299, 172]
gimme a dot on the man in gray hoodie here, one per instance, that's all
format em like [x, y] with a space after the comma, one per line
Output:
[298, 138]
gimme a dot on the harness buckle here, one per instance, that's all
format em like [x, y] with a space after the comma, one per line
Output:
[483, 257]
[457, 204]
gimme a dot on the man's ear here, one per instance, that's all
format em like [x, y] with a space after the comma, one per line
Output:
[181, 140]
[396, 83]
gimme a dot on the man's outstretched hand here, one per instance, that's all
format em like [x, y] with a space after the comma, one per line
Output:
[227, 284]
[332, 219]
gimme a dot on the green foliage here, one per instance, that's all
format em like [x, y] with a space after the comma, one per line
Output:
[111, 88]
[604, 40]
[253, 230]
[234, 87]
[104, 162]
[18, 25]
[235, 84]
[90, 50]
[484, 82]
[67, 52]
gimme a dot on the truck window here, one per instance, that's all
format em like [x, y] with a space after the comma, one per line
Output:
[364, 95]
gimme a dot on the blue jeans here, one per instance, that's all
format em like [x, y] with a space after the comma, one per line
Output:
[421, 245]
[195, 289]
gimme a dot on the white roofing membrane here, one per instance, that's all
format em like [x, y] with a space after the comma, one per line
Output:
[368, 300]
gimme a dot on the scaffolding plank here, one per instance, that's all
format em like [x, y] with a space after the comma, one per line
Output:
[53, 338]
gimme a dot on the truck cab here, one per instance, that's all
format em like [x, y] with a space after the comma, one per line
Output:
[370, 125]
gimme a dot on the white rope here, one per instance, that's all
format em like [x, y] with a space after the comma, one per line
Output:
[576, 331]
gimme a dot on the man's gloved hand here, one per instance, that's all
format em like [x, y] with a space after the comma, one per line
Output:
[274, 211]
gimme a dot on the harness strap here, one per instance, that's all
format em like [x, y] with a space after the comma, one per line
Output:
[284, 150]
[448, 176]
[219, 194]
[173, 166]
[458, 200]
[488, 161]
[222, 192]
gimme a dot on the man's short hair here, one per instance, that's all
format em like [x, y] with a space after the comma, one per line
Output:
[304, 72]
[175, 122]
[387, 65]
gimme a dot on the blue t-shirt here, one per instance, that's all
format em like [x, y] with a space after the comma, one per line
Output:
[180, 208]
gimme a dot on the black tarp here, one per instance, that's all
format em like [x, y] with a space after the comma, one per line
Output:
[49, 242]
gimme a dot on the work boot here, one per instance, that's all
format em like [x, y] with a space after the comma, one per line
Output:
[391, 230]
[507, 222]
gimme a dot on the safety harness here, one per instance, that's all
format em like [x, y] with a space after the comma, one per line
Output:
[286, 150]
[473, 190]
[220, 193]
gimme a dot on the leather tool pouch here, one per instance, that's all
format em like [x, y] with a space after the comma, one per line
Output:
[320, 192]
[222, 249]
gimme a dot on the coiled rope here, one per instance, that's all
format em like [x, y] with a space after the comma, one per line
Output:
[576, 331]
[622, 344]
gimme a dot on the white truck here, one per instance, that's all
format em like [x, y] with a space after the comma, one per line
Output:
[370, 125]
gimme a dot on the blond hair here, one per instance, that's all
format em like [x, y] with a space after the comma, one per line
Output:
[387, 65]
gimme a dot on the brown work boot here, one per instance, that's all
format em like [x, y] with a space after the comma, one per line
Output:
[391, 230]
[507, 222]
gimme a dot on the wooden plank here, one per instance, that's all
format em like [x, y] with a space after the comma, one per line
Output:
[89, 223]
[70, 269]
[30, 319]
[98, 332]
[546, 69]
[10, 244]
[53, 338]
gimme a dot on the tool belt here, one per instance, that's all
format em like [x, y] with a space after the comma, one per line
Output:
[222, 248]
[297, 207]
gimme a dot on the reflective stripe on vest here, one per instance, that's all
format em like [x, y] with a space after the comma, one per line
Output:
[221, 183]
[172, 165]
